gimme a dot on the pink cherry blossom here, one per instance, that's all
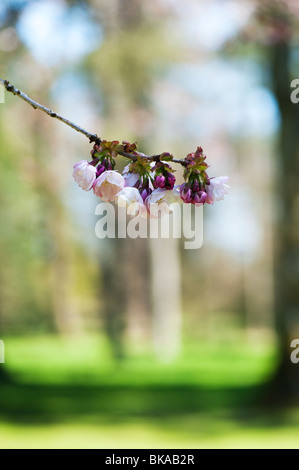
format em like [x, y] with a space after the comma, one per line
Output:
[131, 198]
[217, 189]
[84, 174]
[163, 198]
[108, 185]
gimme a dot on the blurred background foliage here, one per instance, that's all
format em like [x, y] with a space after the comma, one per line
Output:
[141, 343]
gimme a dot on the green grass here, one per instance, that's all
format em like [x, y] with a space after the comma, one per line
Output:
[188, 432]
[69, 393]
[87, 359]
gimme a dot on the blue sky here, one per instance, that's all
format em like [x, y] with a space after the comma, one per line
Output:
[56, 34]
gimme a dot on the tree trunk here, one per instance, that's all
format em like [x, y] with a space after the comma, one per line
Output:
[113, 296]
[125, 276]
[166, 294]
[285, 384]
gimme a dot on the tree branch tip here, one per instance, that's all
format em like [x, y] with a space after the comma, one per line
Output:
[8, 86]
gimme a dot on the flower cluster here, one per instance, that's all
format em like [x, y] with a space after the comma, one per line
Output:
[199, 188]
[147, 180]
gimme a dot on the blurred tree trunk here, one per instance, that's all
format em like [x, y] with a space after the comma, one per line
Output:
[166, 293]
[138, 290]
[113, 294]
[125, 273]
[65, 315]
[286, 381]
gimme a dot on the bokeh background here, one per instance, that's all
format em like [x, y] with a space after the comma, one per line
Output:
[126, 343]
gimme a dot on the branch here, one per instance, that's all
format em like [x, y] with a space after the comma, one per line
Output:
[92, 137]
[35, 105]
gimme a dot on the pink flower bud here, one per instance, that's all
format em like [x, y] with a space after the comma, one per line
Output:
[145, 192]
[170, 180]
[108, 185]
[159, 181]
[100, 169]
[199, 198]
[187, 196]
[106, 162]
[84, 174]
[109, 165]
[186, 193]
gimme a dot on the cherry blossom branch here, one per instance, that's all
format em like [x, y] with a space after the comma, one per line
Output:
[197, 189]
[92, 137]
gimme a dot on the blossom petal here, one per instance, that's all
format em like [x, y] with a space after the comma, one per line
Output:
[108, 185]
[84, 174]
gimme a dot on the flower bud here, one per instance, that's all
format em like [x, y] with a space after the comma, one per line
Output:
[145, 192]
[97, 148]
[170, 180]
[187, 196]
[199, 198]
[100, 169]
[186, 193]
[84, 174]
[159, 181]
